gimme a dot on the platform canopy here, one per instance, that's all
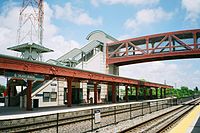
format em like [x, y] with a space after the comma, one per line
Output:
[30, 51]
[30, 46]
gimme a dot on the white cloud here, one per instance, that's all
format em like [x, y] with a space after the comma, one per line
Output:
[125, 36]
[146, 17]
[127, 2]
[8, 28]
[52, 39]
[75, 15]
[159, 71]
[192, 8]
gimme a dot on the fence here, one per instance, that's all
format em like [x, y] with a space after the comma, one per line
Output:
[84, 120]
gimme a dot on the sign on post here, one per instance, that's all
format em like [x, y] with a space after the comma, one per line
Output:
[24, 76]
[97, 116]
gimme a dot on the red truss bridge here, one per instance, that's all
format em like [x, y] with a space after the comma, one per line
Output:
[164, 46]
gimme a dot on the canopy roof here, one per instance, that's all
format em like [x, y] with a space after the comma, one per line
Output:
[27, 46]
[93, 44]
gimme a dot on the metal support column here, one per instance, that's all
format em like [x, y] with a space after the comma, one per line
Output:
[113, 93]
[8, 91]
[150, 93]
[95, 93]
[69, 92]
[28, 96]
[145, 93]
[161, 96]
[164, 92]
[126, 95]
[156, 93]
[88, 95]
[195, 40]
[137, 92]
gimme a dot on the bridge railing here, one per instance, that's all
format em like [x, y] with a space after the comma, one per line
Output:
[154, 44]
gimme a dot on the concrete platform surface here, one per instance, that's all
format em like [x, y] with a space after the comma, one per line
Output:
[190, 123]
[16, 112]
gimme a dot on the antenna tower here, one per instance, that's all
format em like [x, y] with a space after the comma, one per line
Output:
[31, 22]
[30, 31]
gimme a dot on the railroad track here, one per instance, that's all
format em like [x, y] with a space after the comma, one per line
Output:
[164, 122]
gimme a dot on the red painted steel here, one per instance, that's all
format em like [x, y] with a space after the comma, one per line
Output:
[18, 65]
[161, 93]
[145, 93]
[28, 95]
[69, 92]
[95, 93]
[156, 92]
[164, 93]
[150, 93]
[113, 93]
[126, 94]
[137, 91]
[165, 46]
[8, 89]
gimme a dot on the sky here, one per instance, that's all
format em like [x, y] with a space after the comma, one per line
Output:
[68, 22]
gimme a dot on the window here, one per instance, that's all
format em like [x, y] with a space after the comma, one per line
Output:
[49, 96]
[46, 96]
[53, 96]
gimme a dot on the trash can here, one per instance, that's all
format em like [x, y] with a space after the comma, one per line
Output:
[35, 103]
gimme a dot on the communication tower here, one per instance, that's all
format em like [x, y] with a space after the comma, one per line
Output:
[30, 31]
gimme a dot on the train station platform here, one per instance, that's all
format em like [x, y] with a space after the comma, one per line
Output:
[190, 123]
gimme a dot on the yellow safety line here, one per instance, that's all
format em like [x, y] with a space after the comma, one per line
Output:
[187, 121]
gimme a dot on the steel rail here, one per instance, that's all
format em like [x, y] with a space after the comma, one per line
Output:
[152, 120]
[172, 123]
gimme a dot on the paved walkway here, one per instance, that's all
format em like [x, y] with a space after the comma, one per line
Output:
[16, 112]
[190, 123]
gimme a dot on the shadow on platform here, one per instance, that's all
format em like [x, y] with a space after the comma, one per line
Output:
[196, 128]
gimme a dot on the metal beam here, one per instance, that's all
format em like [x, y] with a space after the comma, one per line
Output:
[8, 63]
[137, 91]
[126, 93]
[164, 92]
[113, 93]
[95, 93]
[154, 57]
[156, 93]
[8, 91]
[145, 93]
[28, 96]
[182, 51]
[155, 36]
[150, 93]
[69, 92]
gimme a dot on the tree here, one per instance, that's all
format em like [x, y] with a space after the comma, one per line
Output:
[196, 89]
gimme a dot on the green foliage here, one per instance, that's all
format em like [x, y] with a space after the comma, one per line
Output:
[2, 88]
[184, 92]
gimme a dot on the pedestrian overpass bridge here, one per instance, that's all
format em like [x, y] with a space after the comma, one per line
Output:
[165, 46]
